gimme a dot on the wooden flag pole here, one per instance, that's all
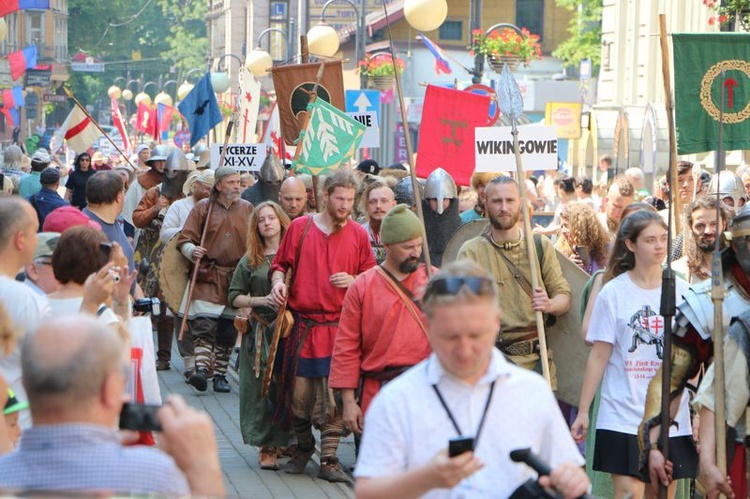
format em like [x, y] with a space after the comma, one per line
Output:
[409, 150]
[305, 58]
[80, 106]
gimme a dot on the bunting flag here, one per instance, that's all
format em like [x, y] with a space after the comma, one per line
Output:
[11, 115]
[13, 97]
[164, 117]
[249, 103]
[10, 6]
[22, 60]
[79, 130]
[200, 109]
[293, 85]
[446, 134]
[329, 141]
[700, 91]
[441, 63]
[272, 137]
[147, 121]
[119, 123]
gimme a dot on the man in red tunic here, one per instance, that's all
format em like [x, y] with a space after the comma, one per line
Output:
[326, 252]
[381, 331]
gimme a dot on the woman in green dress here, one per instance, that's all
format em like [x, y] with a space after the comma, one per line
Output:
[251, 289]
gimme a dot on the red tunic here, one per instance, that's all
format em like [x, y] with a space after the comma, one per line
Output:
[377, 331]
[312, 296]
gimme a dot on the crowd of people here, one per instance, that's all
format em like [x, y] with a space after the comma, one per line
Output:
[341, 325]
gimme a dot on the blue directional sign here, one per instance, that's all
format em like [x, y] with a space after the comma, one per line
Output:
[361, 101]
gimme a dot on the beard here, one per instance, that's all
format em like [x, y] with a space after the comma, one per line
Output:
[705, 244]
[409, 265]
[338, 218]
[504, 224]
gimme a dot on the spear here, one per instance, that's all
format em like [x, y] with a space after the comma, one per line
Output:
[511, 105]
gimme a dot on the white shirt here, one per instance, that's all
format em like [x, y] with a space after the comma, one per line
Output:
[68, 306]
[175, 218]
[27, 309]
[406, 425]
[627, 317]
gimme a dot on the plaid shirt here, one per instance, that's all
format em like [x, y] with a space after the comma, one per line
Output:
[83, 457]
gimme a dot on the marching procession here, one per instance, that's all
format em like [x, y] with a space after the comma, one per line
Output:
[480, 318]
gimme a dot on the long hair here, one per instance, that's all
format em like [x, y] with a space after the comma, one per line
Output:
[585, 230]
[690, 245]
[621, 259]
[256, 245]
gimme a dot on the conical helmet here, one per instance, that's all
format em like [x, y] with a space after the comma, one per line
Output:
[440, 185]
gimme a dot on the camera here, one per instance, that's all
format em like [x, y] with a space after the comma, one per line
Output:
[139, 417]
[114, 272]
[147, 306]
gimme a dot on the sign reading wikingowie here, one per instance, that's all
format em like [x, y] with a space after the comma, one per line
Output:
[494, 149]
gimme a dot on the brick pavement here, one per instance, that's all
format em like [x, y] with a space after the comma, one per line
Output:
[242, 474]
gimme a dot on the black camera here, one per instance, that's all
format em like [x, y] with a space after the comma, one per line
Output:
[139, 417]
[147, 306]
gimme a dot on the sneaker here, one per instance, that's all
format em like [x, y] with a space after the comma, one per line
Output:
[162, 365]
[221, 385]
[268, 458]
[296, 465]
[198, 380]
[331, 470]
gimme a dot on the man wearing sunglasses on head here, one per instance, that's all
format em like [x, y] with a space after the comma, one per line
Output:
[466, 389]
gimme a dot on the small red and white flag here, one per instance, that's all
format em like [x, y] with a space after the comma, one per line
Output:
[272, 137]
[119, 123]
[249, 103]
[79, 130]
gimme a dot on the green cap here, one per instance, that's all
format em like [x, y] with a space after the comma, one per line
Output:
[400, 224]
[46, 244]
[13, 404]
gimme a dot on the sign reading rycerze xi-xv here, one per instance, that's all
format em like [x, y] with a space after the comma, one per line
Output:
[712, 74]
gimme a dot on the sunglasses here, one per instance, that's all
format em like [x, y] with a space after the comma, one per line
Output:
[451, 286]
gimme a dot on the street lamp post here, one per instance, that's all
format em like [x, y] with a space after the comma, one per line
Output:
[476, 73]
[324, 40]
[260, 61]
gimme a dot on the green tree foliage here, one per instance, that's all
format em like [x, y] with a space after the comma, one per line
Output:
[136, 39]
[586, 33]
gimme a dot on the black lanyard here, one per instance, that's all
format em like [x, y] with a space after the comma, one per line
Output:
[481, 421]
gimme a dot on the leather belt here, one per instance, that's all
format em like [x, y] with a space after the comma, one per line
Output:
[525, 345]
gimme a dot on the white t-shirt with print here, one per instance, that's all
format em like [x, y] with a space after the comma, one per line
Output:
[627, 317]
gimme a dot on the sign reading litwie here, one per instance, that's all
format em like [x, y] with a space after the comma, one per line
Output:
[494, 150]
[243, 157]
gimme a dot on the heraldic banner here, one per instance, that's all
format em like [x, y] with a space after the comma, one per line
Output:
[699, 60]
[446, 137]
[293, 86]
[330, 140]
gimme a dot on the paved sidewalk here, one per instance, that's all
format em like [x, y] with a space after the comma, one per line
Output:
[242, 474]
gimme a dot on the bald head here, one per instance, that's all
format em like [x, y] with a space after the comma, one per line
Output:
[66, 362]
[18, 237]
[293, 196]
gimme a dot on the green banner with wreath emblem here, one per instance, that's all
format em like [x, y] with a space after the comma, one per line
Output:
[711, 72]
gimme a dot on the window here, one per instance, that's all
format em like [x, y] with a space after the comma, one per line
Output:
[61, 38]
[530, 14]
[9, 43]
[451, 30]
[34, 29]
[277, 45]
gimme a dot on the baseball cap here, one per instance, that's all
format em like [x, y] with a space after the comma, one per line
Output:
[65, 217]
[49, 176]
[46, 244]
[41, 156]
[369, 166]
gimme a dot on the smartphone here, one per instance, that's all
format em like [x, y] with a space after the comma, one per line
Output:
[139, 417]
[583, 254]
[459, 445]
[105, 254]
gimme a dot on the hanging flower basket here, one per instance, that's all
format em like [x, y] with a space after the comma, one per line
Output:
[380, 71]
[729, 14]
[506, 47]
[383, 83]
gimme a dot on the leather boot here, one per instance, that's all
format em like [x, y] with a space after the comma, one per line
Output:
[296, 465]
[331, 470]
[268, 458]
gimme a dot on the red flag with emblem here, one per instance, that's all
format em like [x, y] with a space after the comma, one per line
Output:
[446, 134]
[272, 137]
[147, 121]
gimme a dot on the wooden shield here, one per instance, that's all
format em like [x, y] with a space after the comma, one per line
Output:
[174, 274]
[469, 230]
[564, 338]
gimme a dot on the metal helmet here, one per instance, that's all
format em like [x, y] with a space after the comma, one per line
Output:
[176, 170]
[740, 230]
[202, 156]
[404, 192]
[440, 185]
[159, 153]
[728, 185]
[272, 171]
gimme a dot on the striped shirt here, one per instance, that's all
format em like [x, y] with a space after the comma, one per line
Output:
[87, 457]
